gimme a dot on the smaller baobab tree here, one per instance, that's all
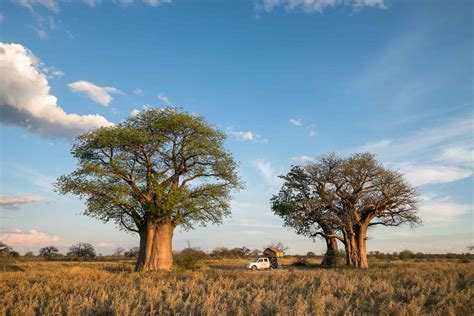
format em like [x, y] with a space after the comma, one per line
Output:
[302, 209]
[48, 252]
[341, 198]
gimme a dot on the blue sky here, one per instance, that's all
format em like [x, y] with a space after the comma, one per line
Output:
[287, 80]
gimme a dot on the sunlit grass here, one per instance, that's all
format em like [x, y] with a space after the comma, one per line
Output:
[397, 287]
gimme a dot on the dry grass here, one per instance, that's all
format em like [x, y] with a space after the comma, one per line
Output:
[392, 288]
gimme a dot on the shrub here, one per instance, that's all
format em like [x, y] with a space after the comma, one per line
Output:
[406, 254]
[310, 254]
[82, 250]
[190, 258]
[300, 262]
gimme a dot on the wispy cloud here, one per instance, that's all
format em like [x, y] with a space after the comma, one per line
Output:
[164, 99]
[247, 135]
[435, 210]
[302, 158]
[268, 172]
[296, 122]
[138, 92]
[16, 202]
[316, 6]
[432, 174]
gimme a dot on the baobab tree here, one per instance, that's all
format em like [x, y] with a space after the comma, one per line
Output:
[160, 169]
[350, 195]
[302, 209]
[48, 252]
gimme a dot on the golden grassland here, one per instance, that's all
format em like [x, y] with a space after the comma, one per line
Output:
[222, 287]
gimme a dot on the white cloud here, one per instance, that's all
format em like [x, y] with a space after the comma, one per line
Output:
[49, 4]
[296, 122]
[25, 241]
[25, 98]
[458, 154]
[156, 3]
[2, 18]
[269, 174]
[247, 136]
[163, 98]
[432, 174]
[51, 72]
[105, 244]
[316, 6]
[438, 211]
[302, 158]
[91, 3]
[312, 130]
[139, 92]
[428, 140]
[101, 95]
[16, 202]
[134, 112]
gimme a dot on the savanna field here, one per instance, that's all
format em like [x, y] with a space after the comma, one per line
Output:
[222, 287]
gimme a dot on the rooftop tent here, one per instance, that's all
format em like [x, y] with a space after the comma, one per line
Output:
[273, 252]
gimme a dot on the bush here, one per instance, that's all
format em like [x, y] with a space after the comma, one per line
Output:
[310, 254]
[190, 258]
[406, 254]
[300, 262]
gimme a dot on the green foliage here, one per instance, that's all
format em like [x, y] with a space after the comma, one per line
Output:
[163, 165]
[190, 258]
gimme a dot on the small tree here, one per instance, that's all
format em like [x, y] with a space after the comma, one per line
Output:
[6, 251]
[310, 254]
[48, 252]
[82, 250]
[132, 253]
[118, 252]
[29, 254]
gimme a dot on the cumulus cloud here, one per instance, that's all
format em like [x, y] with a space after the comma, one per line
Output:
[296, 122]
[25, 241]
[247, 136]
[16, 202]
[316, 6]
[25, 98]
[101, 95]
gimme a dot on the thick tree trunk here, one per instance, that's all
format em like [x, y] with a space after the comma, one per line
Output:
[141, 253]
[356, 253]
[360, 238]
[156, 248]
[330, 258]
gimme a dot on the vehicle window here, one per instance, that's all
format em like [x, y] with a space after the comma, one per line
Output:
[266, 260]
[260, 260]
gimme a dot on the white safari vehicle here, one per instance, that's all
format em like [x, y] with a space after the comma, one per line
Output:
[258, 264]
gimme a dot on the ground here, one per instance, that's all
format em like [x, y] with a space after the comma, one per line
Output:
[222, 287]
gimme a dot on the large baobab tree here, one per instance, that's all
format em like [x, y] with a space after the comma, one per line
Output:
[160, 169]
[351, 195]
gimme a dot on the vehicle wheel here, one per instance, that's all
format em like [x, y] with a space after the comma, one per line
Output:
[254, 268]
